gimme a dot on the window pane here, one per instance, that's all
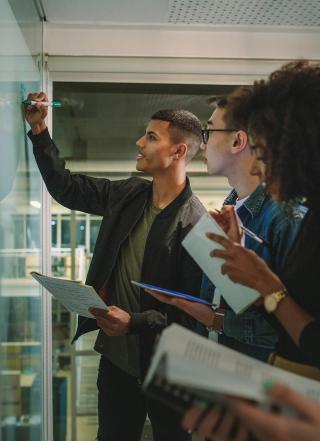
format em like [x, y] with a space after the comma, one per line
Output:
[65, 231]
[94, 229]
[20, 303]
[81, 232]
[54, 232]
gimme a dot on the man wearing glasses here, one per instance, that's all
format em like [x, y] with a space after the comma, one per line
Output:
[227, 153]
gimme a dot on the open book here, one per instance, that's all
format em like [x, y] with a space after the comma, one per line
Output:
[199, 246]
[75, 296]
[188, 367]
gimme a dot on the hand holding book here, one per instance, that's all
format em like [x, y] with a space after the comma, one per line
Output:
[244, 421]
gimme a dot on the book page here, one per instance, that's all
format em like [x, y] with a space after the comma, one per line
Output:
[204, 363]
[199, 246]
[75, 296]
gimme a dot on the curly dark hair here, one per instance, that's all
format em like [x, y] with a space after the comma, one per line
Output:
[285, 122]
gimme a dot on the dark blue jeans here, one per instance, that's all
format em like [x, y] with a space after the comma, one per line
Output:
[257, 352]
[122, 409]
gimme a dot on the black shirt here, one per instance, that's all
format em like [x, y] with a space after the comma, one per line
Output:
[301, 278]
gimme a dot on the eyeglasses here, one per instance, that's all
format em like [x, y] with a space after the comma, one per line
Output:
[206, 133]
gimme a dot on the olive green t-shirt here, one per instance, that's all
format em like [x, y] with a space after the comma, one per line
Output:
[123, 351]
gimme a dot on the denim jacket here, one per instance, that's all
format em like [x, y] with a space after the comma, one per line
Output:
[267, 218]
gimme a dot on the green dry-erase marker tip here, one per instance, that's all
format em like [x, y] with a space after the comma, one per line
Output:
[43, 103]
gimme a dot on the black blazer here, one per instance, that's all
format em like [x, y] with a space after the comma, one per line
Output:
[121, 204]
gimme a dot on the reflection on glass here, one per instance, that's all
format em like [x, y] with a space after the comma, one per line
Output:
[54, 231]
[65, 232]
[86, 396]
[94, 230]
[20, 304]
[81, 232]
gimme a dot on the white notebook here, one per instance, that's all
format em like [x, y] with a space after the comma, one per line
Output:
[75, 296]
[199, 246]
[206, 368]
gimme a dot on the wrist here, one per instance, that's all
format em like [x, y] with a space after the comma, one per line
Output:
[38, 128]
[128, 324]
[272, 300]
[217, 320]
[269, 285]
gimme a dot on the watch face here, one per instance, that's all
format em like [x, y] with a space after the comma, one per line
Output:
[270, 303]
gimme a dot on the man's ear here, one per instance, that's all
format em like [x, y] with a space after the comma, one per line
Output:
[181, 151]
[241, 141]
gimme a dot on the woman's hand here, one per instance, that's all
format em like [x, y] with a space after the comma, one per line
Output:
[228, 220]
[243, 418]
[199, 311]
[214, 424]
[245, 266]
[267, 426]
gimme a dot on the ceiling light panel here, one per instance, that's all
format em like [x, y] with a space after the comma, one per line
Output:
[245, 12]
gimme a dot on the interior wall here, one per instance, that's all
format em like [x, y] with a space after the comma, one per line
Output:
[182, 41]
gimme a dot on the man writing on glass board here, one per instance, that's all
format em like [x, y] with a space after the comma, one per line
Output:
[140, 238]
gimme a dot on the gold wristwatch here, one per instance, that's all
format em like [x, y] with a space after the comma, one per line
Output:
[271, 301]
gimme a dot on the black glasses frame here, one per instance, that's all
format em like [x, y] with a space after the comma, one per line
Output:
[206, 132]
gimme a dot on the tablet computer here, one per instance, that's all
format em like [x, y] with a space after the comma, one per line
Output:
[171, 293]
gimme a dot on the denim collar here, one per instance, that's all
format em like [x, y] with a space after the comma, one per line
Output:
[253, 203]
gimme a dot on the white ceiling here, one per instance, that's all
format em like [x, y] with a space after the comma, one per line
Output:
[279, 13]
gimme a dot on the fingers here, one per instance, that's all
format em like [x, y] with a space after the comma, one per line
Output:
[97, 312]
[209, 422]
[265, 425]
[275, 427]
[221, 254]
[226, 243]
[160, 297]
[221, 220]
[229, 222]
[106, 314]
[215, 424]
[191, 417]
[230, 429]
[40, 96]
[108, 325]
[108, 328]
[224, 269]
[182, 303]
[306, 407]
[229, 212]
[36, 114]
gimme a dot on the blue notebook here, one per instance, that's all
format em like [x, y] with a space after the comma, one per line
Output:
[171, 293]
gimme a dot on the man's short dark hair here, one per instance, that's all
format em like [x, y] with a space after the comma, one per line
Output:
[237, 106]
[184, 127]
